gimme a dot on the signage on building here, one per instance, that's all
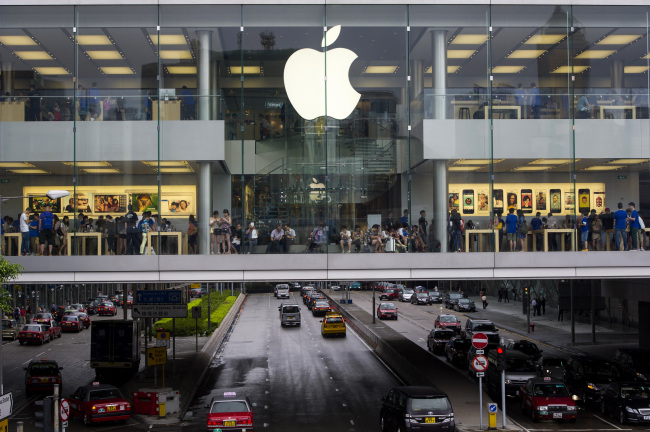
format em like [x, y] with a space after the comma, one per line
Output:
[273, 104]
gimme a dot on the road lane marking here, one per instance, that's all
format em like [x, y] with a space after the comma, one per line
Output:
[38, 355]
[605, 421]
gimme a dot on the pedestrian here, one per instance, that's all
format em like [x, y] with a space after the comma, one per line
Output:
[533, 305]
[24, 232]
[620, 217]
[505, 295]
[635, 226]
[485, 303]
[500, 295]
[251, 235]
[543, 305]
[514, 294]
[560, 312]
[17, 314]
[511, 229]
[46, 230]
[131, 228]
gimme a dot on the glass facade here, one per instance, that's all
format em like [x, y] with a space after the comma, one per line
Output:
[369, 128]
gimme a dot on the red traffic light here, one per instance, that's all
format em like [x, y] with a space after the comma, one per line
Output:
[500, 350]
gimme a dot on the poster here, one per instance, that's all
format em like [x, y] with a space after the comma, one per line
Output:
[82, 204]
[527, 200]
[144, 201]
[178, 203]
[110, 203]
[38, 203]
[569, 201]
[482, 202]
[512, 200]
[454, 202]
[540, 201]
[599, 202]
[497, 200]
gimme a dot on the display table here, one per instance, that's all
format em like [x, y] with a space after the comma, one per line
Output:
[83, 239]
[618, 107]
[500, 109]
[171, 110]
[480, 233]
[12, 111]
[10, 237]
[181, 238]
[562, 241]
[471, 105]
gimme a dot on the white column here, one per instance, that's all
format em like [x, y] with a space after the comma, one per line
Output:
[203, 71]
[204, 206]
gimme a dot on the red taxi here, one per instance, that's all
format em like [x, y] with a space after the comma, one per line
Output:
[107, 308]
[71, 323]
[447, 321]
[78, 307]
[35, 333]
[230, 413]
[387, 310]
[99, 403]
[42, 375]
[320, 307]
[85, 319]
[389, 294]
[54, 328]
[547, 399]
[42, 318]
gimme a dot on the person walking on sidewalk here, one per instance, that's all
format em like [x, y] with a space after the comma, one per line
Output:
[505, 295]
[533, 305]
[543, 305]
[560, 312]
[500, 294]
[514, 293]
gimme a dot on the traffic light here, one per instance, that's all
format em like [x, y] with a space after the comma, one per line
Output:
[526, 292]
[44, 414]
[501, 358]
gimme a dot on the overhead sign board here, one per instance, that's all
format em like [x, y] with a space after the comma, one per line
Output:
[479, 340]
[159, 311]
[156, 356]
[6, 405]
[159, 297]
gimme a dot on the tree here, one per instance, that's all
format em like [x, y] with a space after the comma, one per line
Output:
[8, 272]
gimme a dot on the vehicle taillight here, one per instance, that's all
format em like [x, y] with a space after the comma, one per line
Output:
[245, 421]
[128, 407]
[214, 422]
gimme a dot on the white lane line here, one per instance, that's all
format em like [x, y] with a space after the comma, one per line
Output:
[38, 355]
[605, 421]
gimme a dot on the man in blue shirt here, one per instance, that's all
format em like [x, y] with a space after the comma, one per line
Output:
[620, 217]
[635, 226]
[584, 232]
[535, 100]
[404, 219]
[536, 225]
[511, 229]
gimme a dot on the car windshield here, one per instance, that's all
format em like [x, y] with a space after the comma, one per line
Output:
[553, 362]
[455, 296]
[635, 392]
[443, 334]
[32, 328]
[386, 306]
[483, 327]
[40, 369]
[70, 318]
[423, 295]
[520, 365]
[390, 290]
[448, 319]
[282, 287]
[464, 300]
[526, 348]
[229, 407]
[107, 304]
[291, 309]
[600, 370]
[105, 394]
[407, 291]
[550, 390]
[321, 304]
[43, 315]
[334, 320]
[460, 344]
[427, 405]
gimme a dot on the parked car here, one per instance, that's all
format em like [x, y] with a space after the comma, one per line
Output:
[387, 310]
[457, 348]
[419, 298]
[551, 366]
[389, 294]
[634, 362]
[424, 408]
[405, 295]
[10, 329]
[525, 346]
[54, 328]
[586, 376]
[451, 299]
[547, 399]
[465, 305]
[627, 401]
[438, 338]
[448, 321]
[335, 288]
[519, 369]
[42, 318]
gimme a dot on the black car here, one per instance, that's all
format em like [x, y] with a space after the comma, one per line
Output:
[551, 367]
[487, 327]
[587, 375]
[525, 346]
[421, 298]
[457, 348]
[628, 401]
[451, 299]
[634, 362]
[519, 369]
[435, 296]
[438, 338]
[465, 305]
[418, 408]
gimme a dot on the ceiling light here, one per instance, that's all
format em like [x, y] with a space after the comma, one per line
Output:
[552, 161]
[595, 54]
[535, 168]
[176, 54]
[165, 163]
[628, 161]
[176, 170]
[464, 168]
[571, 69]
[93, 40]
[548, 39]
[618, 40]
[460, 54]
[635, 69]
[469, 39]
[604, 168]
[507, 69]
[450, 69]
[87, 164]
[33, 55]
[51, 71]
[380, 69]
[15, 165]
[117, 70]
[17, 40]
[647, 56]
[29, 171]
[182, 70]
[526, 54]
[169, 39]
[104, 55]
[101, 171]
[472, 162]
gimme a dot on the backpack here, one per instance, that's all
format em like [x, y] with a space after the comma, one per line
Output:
[48, 221]
[523, 228]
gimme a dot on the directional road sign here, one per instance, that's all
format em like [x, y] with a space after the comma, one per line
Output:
[65, 410]
[6, 405]
[480, 363]
[479, 340]
[159, 311]
[492, 407]
[156, 356]
[159, 297]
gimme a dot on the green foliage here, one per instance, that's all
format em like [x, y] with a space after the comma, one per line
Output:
[8, 272]
[219, 307]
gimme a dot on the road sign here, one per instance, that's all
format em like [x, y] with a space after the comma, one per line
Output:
[64, 424]
[156, 356]
[480, 374]
[479, 340]
[162, 335]
[480, 363]
[159, 311]
[159, 297]
[492, 416]
[196, 312]
[6, 405]
[162, 343]
[65, 410]
[492, 407]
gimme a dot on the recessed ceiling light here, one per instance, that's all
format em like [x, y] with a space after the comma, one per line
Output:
[595, 54]
[380, 69]
[17, 40]
[464, 168]
[182, 70]
[450, 69]
[547, 39]
[169, 39]
[469, 39]
[101, 171]
[93, 40]
[507, 69]
[33, 55]
[571, 69]
[51, 71]
[604, 168]
[647, 56]
[176, 170]
[460, 54]
[635, 69]
[87, 163]
[15, 165]
[627, 161]
[552, 161]
[246, 70]
[535, 168]
[154, 164]
[117, 70]
[104, 55]
[29, 171]
[526, 54]
[175, 54]
[618, 40]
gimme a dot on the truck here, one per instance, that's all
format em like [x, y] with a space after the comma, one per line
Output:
[114, 348]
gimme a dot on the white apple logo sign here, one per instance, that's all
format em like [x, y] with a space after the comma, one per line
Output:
[317, 190]
[304, 80]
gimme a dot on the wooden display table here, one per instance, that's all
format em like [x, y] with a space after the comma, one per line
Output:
[12, 111]
[83, 238]
[618, 107]
[171, 110]
[180, 236]
[499, 109]
[562, 231]
[10, 237]
[480, 233]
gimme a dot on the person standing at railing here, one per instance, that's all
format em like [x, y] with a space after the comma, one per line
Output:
[511, 229]
[520, 99]
[535, 100]
[635, 225]
[620, 218]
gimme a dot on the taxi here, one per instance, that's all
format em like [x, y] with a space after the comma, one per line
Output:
[107, 308]
[41, 376]
[85, 319]
[71, 323]
[99, 403]
[54, 328]
[42, 318]
[33, 333]
[10, 329]
[547, 399]
[333, 324]
[387, 310]
[230, 413]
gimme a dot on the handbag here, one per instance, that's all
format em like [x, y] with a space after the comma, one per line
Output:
[641, 222]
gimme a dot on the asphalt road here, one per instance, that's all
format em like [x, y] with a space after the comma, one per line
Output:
[297, 380]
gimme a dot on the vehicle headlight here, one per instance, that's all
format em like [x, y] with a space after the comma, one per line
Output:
[630, 410]
[642, 376]
[571, 408]
[592, 386]
[448, 419]
[542, 408]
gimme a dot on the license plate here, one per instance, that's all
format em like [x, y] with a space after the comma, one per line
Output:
[111, 408]
[44, 380]
[646, 417]
[557, 415]
[229, 423]
[290, 317]
[429, 419]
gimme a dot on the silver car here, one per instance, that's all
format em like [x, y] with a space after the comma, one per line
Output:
[405, 295]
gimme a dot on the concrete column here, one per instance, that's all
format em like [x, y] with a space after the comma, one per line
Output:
[7, 77]
[417, 79]
[440, 197]
[203, 71]
[616, 74]
[204, 201]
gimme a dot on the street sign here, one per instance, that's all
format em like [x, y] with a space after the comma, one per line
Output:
[162, 335]
[479, 340]
[162, 343]
[5, 181]
[64, 424]
[480, 352]
[6, 405]
[196, 312]
[480, 363]
[159, 297]
[156, 356]
[480, 374]
[159, 311]
[65, 410]
[492, 407]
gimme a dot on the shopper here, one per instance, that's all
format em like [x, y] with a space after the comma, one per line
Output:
[24, 232]
[620, 218]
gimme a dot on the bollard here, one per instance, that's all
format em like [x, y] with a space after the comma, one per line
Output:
[19, 426]
[162, 405]
[532, 327]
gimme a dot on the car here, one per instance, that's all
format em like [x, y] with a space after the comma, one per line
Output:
[42, 375]
[282, 291]
[438, 338]
[295, 286]
[97, 403]
[456, 350]
[333, 324]
[389, 294]
[320, 308]
[416, 408]
[451, 299]
[586, 375]
[465, 305]
[71, 323]
[551, 366]
[54, 328]
[198, 292]
[519, 369]
[627, 401]
[289, 314]
[525, 346]
[33, 333]
[312, 299]
[420, 288]
[93, 306]
[230, 413]
[387, 310]
[306, 292]
[10, 329]
[43, 318]
[79, 307]
[335, 287]
[487, 327]
[547, 399]
[59, 312]
[85, 319]
[634, 362]
[435, 296]
[419, 298]
[448, 321]
[107, 308]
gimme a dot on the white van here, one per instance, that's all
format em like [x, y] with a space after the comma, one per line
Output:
[282, 291]
[289, 314]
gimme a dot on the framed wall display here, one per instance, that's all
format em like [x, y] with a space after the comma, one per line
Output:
[110, 203]
[512, 200]
[83, 203]
[569, 201]
[178, 203]
[497, 200]
[527, 200]
[556, 200]
[454, 201]
[144, 201]
[540, 201]
[38, 203]
[599, 201]
[482, 202]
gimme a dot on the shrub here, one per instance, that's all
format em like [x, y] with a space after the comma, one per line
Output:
[219, 307]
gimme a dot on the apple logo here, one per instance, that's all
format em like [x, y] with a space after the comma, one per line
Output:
[318, 191]
[304, 80]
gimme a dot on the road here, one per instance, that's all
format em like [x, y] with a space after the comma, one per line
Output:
[297, 380]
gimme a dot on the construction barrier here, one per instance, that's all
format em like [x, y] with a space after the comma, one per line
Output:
[146, 401]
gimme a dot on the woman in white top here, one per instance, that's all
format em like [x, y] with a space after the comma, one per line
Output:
[62, 225]
[225, 231]
[215, 232]
[251, 234]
